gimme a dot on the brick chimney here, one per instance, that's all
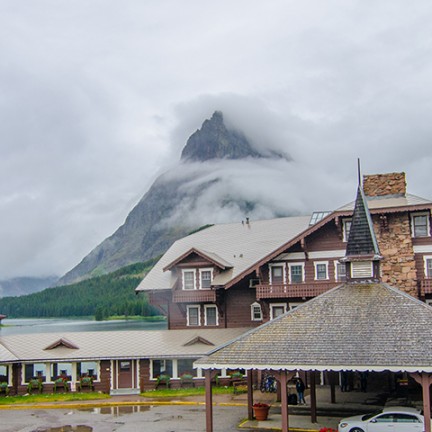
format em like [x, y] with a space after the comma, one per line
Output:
[384, 184]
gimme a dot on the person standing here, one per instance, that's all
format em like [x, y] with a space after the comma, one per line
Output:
[300, 387]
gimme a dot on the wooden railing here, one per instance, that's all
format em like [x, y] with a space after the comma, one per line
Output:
[294, 290]
[191, 296]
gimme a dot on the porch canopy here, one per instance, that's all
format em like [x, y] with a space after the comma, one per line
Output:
[355, 326]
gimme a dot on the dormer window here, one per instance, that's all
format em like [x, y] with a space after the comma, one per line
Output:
[188, 279]
[206, 276]
[420, 225]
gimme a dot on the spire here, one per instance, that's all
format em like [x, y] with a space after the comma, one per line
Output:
[362, 253]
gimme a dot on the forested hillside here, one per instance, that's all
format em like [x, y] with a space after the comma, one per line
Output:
[109, 295]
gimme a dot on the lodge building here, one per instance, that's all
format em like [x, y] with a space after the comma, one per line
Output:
[219, 282]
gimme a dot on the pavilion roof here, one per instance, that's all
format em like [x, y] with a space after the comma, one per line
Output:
[351, 327]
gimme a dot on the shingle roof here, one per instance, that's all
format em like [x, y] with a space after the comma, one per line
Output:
[240, 245]
[361, 240]
[119, 344]
[389, 201]
[354, 327]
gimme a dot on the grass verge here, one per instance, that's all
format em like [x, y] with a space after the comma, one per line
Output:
[183, 392]
[47, 398]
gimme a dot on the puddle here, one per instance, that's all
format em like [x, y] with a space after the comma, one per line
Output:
[67, 428]
[116, 411]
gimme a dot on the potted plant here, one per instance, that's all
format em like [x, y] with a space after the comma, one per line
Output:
[261, 411]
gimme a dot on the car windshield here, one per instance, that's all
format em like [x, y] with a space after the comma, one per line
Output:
[370, 415]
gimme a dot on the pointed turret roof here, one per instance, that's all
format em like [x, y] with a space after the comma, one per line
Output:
[362, 242]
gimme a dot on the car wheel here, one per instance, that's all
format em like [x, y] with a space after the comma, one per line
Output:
[356, 429]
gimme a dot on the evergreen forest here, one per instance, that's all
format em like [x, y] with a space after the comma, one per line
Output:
[102, 297]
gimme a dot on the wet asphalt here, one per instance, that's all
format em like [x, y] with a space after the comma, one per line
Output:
[166, 418]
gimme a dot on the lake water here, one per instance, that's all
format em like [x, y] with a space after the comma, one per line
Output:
[49, 325]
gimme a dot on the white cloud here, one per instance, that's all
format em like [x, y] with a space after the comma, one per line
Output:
[98, 97]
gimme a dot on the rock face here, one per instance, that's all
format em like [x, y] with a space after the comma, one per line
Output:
[215, 141]
[160, 217]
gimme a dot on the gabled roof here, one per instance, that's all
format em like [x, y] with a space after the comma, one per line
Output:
[114, 345]
[351, 327]
[240, 244]
[62, 342]
[209, 256]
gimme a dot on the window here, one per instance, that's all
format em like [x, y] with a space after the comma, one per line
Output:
[293, 305]
[277, 309]
[420, 225]
[205, 278]
[185, 366]
[211, 315]
[321, 272]
[34, 370]
[346, 228]
[256, 312]
[87, 369]
[361, 269]
[277, 274]
[340, 271]
[428, 266]
[296, 272]
[161, 367]
[4, 373]
[189, 279]
[193, 316]
[61, 370]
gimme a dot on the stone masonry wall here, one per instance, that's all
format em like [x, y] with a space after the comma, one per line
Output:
[395, 243]
[384, 184]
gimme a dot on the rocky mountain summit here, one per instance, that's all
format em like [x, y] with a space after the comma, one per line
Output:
[176, 203]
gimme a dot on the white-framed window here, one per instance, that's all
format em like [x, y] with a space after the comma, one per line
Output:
[193, 315]
[211, 315]
[206, 277]
[256, 312]
[428, 266]
[61, 370]
[277, 273]
[296, 273]
[428, 302]
[5, 375]
[346, 228]
[34, 370]
[161, 367]
[340, 271]
[188, 279]
[361, 269]
[90, 369]
[321, 270]
[277, 309]
[420, 225]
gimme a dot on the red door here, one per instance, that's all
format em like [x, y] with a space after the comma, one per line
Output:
[125, 371]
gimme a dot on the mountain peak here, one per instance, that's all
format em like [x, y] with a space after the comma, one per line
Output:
[215, 141]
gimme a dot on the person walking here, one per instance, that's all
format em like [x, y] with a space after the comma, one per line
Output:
[300, 387]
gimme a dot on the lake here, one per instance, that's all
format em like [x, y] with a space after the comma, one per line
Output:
[49, 325]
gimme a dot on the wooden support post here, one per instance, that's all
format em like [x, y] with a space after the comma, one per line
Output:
[425, 380]
[283, 377]
[332, 378]
[313, 397]
[250, 400]
[209, 400]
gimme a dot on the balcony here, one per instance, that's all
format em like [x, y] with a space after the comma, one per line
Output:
[194, 296]
[306, 290]
[425, 286]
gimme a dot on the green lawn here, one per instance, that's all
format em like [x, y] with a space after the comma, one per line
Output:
[47, 398]
[182, 392]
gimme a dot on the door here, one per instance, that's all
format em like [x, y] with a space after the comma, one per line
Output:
[125, 374]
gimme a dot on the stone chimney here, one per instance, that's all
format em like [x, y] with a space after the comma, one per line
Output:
[384, 184]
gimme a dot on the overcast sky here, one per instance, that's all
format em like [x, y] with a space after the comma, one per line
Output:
[97, 98]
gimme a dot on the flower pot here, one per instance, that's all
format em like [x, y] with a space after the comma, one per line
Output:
[261, 412]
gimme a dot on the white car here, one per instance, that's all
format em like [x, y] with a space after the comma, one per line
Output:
[391, 419]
